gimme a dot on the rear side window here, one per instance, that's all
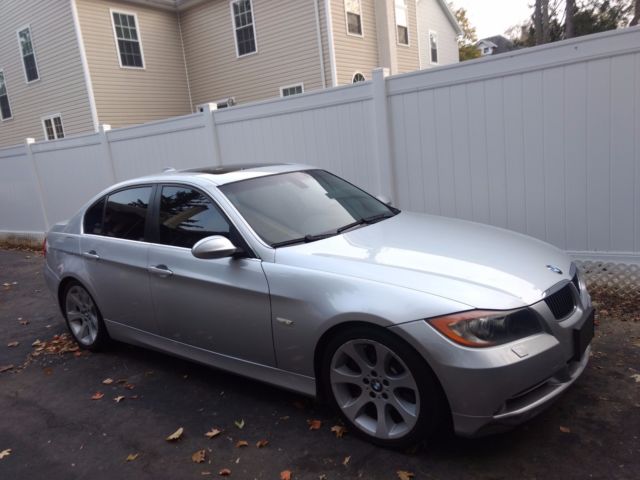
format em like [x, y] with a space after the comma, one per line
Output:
[126, 213]
[186, 216]
[93, 218]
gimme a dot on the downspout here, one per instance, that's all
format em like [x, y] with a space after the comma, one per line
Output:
[85, 65]
[184, 59]
[324, 80]
[332, 53]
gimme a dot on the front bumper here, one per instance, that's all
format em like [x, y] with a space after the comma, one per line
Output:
[493, 389]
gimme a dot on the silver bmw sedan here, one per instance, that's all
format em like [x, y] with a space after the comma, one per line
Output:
[293, 276]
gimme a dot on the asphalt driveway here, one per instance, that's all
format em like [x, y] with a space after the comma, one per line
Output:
[51, 427]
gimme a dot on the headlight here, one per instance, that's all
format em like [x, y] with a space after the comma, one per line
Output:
[486, 328]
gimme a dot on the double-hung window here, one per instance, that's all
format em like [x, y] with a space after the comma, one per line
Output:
[245, 34]
[402, 24]
[353, 10]
[433, 47]
[125, 27]
[5, 107]
[53, 129]
[28, 55]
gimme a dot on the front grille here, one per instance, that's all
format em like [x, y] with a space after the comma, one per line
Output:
[561, 303]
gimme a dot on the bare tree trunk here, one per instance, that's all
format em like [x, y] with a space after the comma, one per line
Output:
[537, 22]
[636, 16]
[546, 33]
[568, 21]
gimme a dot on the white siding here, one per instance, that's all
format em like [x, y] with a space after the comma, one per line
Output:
[431, 17]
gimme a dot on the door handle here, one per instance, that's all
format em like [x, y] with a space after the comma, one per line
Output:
[91, 254]
[160, 270]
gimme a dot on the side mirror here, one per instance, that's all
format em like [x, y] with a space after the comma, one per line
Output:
[384, 199]
[212, 247]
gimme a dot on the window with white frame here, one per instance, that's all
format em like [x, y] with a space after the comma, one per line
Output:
[53, 127]
[28, 55]
[402, 24]
[358, 77]
[5, 107]
[353, 11]
[125, 28]
[245, 33]
[291, 90]
[433, 47]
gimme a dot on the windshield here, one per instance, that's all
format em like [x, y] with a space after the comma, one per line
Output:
[303, 206]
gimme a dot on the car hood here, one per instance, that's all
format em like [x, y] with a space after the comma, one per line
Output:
[471, 263]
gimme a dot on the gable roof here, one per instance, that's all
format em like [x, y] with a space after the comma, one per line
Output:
[450, 16]
[500, 43]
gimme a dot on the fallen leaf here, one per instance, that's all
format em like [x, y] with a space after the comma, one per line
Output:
[47, 370]
[225, 472]
[199, 456]
[132, 456]
[405, 475]
[121, 380]
[214, 432]
[97, 396]
[314, 424]
[204, 473]
[107, 381]
[237, 460]
[285, 475]
[565, 429]
[239, 423]
[129, 386]
[242, 443]
[13, 344]
[636, 377]
[346, 460]
[5, 368]
[262, 443]
[23, 322]
[118, 399]
[37, 343]
[339, 430]
[175, 435]
[5, 453]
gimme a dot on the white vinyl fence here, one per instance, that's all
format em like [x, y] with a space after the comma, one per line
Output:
[545, 141]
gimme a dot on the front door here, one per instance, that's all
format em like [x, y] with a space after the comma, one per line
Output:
[220, 305]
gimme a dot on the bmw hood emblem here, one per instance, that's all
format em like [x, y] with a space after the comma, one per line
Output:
[554, 269]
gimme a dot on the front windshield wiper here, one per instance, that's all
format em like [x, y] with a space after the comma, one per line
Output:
[365, 221]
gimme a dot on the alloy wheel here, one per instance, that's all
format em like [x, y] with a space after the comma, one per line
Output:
[82, 315]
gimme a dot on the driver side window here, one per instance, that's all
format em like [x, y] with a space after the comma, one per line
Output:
[186, 216]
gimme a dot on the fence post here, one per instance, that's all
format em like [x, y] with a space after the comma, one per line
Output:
[212, 133]
[27, 144]
[382, 135]
[106, 148]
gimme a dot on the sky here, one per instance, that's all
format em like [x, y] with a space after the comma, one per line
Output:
[494, 17]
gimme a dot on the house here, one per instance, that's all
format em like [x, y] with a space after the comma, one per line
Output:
[495, 45]
[67, 66]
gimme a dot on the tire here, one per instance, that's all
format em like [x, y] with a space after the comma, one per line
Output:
[369, 374]
[83, 318]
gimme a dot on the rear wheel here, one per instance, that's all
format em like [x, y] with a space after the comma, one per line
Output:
[382, 387]
[83, 318]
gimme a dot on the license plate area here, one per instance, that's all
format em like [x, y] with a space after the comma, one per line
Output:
[582, 336]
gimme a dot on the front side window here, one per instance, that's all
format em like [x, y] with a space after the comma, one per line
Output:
[323, 204]
[126, 213]
[128, 40]
[402, 25]
[187, 216]
[53, 129]
[292, 90]
[353, 10]
[5, 107]
[433, 47]
[242, 12]
[28, 55]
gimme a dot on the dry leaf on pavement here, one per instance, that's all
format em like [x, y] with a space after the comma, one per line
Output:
[636, 377]
[346, 460]
[314, 424]
[285, 475]
[199, 456]
[239, 423]
[405, 475]
[339, 430]
[5, 453]
[13, 344]
[225, 472]
[5, 368]
[242, 443]
[214, 432]
[132, 456]
[129, 386]
[107, 381]
[262, 443]
[97, 396]
[565, 429]
[175, 435]
[118, 399]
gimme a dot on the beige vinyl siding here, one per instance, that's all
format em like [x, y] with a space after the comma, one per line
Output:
[287, 50]
[354, 54]
[126, 96]
[61, 87]
[408, 59]
[432, 17]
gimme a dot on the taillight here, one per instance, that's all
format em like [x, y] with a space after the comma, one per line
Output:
[44, 247]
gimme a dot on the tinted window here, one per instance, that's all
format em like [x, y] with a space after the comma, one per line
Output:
[93, 218]
[126, 213]
[187, 216]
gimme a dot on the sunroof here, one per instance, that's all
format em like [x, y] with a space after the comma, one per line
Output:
[230, 168]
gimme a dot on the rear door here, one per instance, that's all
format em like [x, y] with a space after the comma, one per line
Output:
[115, 256]
[220, 305]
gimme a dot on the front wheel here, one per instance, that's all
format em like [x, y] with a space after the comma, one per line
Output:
[383, 388]
[83, 318]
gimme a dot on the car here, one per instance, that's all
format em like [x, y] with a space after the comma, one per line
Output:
[290, 275]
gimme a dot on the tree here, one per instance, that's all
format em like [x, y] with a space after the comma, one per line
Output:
[467, 41]
[570, 10]
[636, 15]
